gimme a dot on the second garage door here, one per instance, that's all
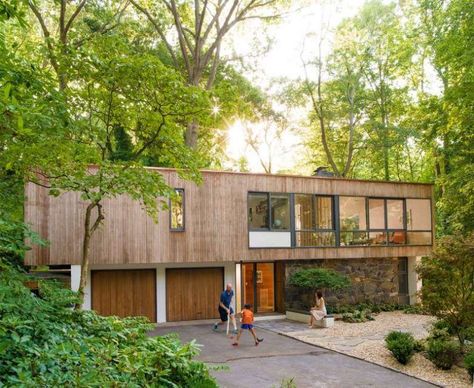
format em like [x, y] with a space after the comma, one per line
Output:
[125, 293]
[193, 293]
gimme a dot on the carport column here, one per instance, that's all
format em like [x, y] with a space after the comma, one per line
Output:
[414, 283]
[75, 279]
[161, 294]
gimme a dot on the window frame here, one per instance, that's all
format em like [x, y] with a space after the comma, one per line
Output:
[183, 205]
[314, 218]
[270, 218]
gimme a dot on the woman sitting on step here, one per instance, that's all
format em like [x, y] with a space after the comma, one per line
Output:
[318, 312]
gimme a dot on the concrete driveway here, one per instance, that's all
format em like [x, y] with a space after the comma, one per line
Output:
[280, 357]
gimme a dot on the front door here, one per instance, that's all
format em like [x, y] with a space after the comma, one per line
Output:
[258, 286]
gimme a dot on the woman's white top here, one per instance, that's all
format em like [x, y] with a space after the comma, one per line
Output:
[323, 308]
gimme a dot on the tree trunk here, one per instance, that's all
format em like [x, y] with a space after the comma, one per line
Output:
[88, 232]
[192, 132]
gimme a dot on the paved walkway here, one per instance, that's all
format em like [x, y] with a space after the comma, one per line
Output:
[280, 357]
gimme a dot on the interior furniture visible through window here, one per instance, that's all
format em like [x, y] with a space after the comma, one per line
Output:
[314, 220]
[177, 210]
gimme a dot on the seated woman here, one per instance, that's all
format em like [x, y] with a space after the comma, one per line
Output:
[318, 312]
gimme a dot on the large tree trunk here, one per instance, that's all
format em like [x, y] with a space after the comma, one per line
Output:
[192, 133]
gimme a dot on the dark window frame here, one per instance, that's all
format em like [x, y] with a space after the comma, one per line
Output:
[270, 217]
[314, 218]
[183, 204]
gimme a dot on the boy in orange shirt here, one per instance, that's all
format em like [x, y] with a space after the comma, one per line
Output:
[247, 324]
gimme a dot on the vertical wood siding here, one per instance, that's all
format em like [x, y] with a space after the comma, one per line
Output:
[215, 222]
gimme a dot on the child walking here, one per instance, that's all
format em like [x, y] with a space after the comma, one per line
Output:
[247, 324]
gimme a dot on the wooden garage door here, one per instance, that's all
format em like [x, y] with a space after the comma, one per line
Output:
[193, 293]
[125, 293]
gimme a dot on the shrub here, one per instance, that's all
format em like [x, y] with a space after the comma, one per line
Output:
[357, 316]
[402, 345]
[43, 342]
[448, 289]
[443, 353]
[469, 363]
[441, 324]
[314, 278]
[419, 346]
[415, 309]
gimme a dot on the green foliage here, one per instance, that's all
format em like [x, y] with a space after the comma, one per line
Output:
[443, 353]
[315, 278]
[402, 345]
[358, 316]
[44, 342]
[469, 364]
[448, 287]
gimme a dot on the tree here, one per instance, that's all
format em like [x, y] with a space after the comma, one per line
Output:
[318, 278]
[200, 28]
[448, 282]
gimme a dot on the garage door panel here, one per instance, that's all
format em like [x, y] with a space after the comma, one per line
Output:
[124, 293]
[193, 293]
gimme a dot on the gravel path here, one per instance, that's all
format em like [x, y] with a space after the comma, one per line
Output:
[366, 341]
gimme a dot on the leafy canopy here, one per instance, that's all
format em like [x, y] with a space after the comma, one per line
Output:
[314, 278]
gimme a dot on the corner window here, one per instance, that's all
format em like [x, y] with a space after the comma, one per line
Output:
[314, 224]
[269, 211]
[418, 215]
[177, 210]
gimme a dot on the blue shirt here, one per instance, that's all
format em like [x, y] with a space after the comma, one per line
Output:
[226, 298]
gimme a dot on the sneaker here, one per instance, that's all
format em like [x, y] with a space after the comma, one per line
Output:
[235, 344]
[215, 326]
[256, 343]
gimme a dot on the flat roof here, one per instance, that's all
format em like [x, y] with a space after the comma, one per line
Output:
[295, 176]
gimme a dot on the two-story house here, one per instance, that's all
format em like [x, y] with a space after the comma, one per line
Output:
[248, 229]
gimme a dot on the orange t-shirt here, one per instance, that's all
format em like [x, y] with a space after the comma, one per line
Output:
[247, 316]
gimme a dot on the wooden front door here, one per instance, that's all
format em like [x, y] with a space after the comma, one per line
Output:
[193, 293]
[125, 293]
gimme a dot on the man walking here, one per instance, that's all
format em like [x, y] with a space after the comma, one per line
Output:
[225, 308]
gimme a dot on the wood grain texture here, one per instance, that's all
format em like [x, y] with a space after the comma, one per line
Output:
[124, 293]
[193, 293]
[216, 222]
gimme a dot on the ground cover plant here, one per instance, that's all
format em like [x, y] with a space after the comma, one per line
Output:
[44, 342]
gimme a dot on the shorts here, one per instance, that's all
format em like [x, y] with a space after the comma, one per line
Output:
[246, 326]
[223, 313]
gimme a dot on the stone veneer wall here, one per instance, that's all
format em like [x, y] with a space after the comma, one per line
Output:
[372, 280]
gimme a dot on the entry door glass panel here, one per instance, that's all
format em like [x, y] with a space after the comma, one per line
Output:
[264, 277]
[248, 283]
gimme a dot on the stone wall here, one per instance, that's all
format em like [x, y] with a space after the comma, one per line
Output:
[372, 280]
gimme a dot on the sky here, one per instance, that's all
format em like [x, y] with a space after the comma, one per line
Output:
[291, 38]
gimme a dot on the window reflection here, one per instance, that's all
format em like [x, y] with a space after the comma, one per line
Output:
[395, 214]
[280, 208]
[352, 213]
[258, 211]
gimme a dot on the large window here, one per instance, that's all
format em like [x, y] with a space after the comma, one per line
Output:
[353, 221]
[386, 222]
[314, 220]
[269, 211]
[418, 216]
[177, 210]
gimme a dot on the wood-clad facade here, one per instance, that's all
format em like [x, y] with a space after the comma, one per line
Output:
[216, 223]
[251, 230]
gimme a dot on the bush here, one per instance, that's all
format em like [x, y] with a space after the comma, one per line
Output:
[443, 325]
[419, 346]
[443, 353]
[448, 289]
[402, 345]
[43, 342]
[357, 316]
[314, 278]
[469, 363]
